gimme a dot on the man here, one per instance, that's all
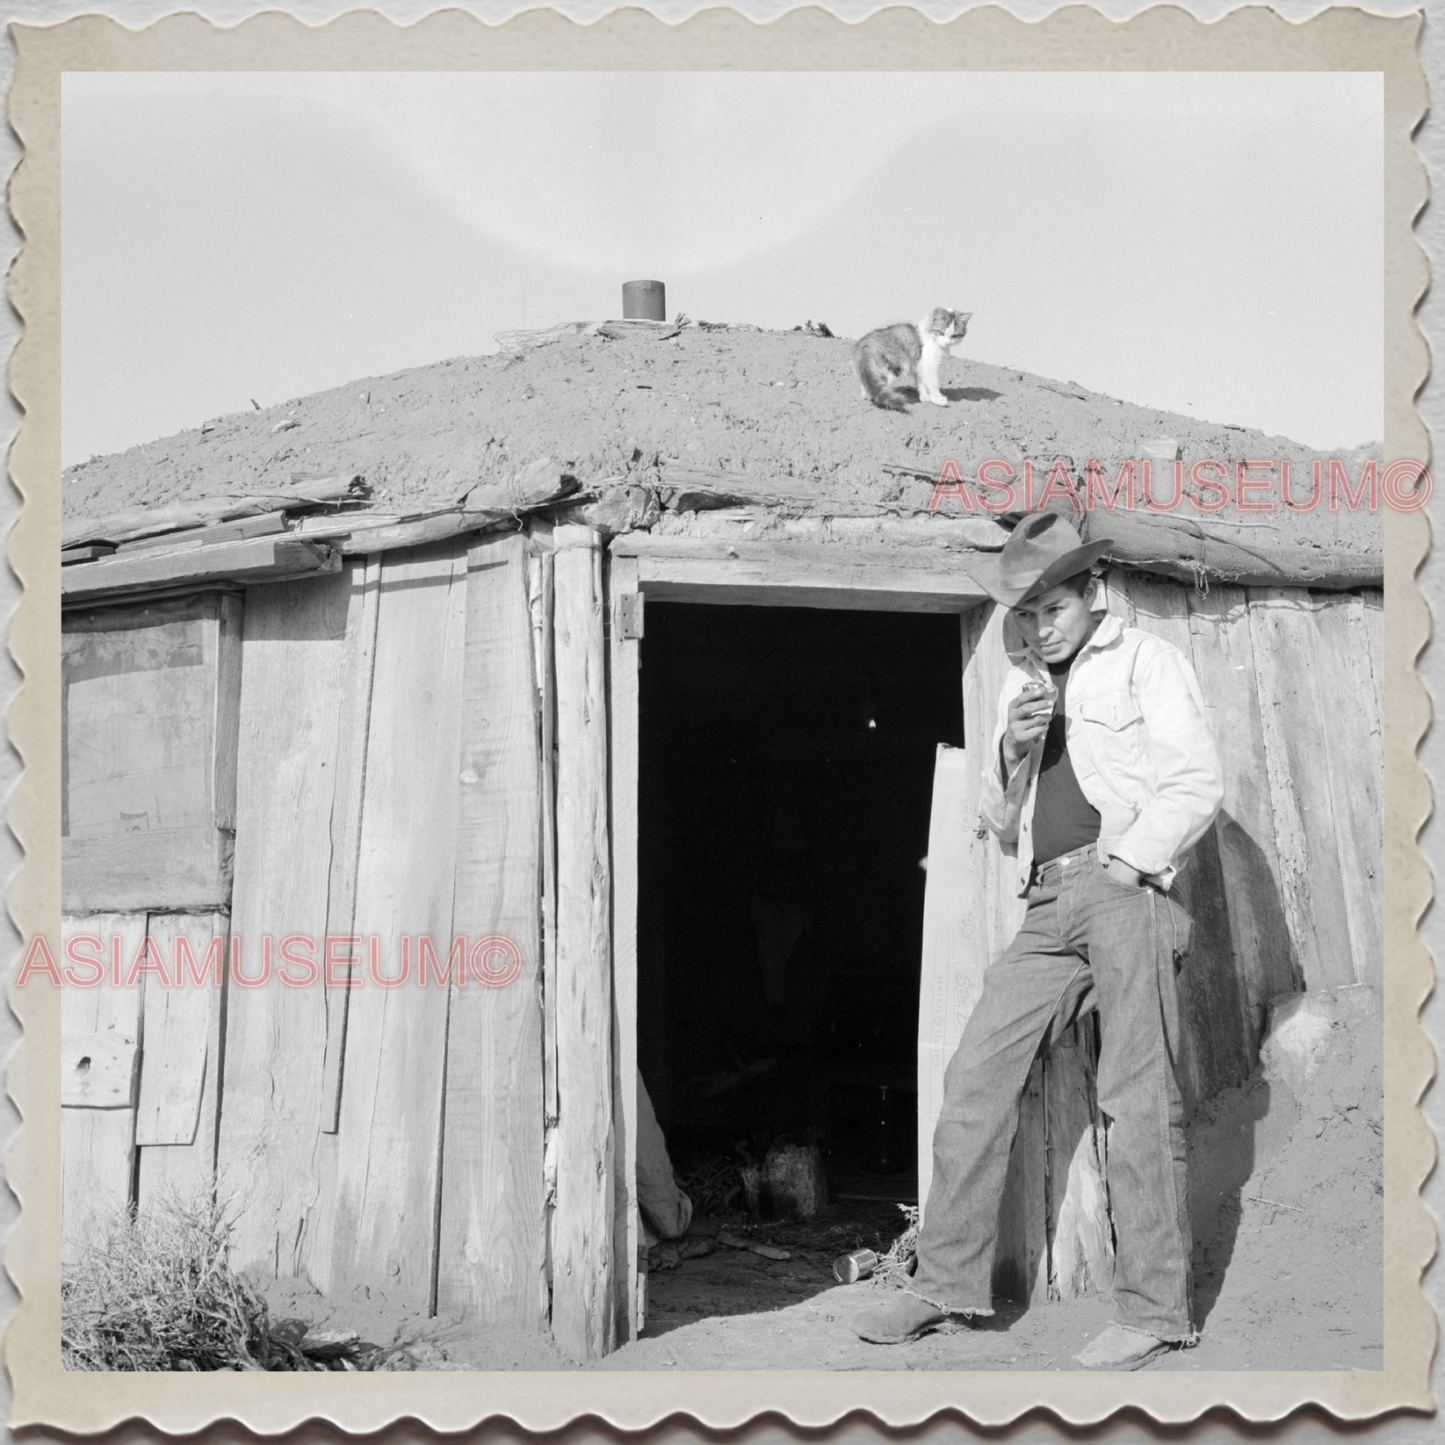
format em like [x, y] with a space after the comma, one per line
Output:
[1103, 776]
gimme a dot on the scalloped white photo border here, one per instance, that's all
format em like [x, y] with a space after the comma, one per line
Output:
[984, 39]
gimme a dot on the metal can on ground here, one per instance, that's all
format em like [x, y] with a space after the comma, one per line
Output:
[850, 1268]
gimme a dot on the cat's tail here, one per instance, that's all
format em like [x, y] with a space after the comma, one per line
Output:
[878, 379]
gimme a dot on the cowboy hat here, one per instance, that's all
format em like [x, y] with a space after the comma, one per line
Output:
[1042, 551]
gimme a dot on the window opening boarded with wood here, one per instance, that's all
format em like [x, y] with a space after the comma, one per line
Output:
[148, 716]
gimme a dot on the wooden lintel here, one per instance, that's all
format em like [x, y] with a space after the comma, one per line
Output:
[786, 574]
[260, 559]
[242, 529]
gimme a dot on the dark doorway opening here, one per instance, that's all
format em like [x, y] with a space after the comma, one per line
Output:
[785, 777]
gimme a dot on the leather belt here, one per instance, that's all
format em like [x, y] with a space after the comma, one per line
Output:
[1064, 861]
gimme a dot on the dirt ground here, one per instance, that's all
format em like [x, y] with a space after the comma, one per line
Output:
[782, 408]
[1287, 1205]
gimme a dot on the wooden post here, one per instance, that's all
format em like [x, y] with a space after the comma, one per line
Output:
[582, 1252]
[491, 1252]
[542, 603]
[626, 661]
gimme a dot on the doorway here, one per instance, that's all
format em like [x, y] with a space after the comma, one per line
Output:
[785, 774]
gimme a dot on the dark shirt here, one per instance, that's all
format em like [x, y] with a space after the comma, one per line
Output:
[1064, 819]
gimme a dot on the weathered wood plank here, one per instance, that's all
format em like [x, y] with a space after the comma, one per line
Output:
[1373, 602]
[350, 786]
[582, 1246]
[1223, 651]
[947, 538]
[1217, 1053]
[999, 906]
[1355, 765]
[226, 715]
[1116, 595]
[492, 1247]
[543, 610]
[258, 560]
[143, 613]
[148, 768]
[88, 553]
[955, 949]
[1021, 1259]
[626, 661]
[98, 1071]
[381, 1222]
[182, 868]
[1179, 547]
[1081, 1245]
[371, 540]
[176, 1025]
[241, 530]
[800, 574]
[292, 706]
[180, 1074]
[97, 1146]
[148, 520]
[1287, 674]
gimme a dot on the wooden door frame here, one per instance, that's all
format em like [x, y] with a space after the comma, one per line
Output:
[744, 573]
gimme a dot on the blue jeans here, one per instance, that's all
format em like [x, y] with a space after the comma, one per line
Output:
[1085, 936]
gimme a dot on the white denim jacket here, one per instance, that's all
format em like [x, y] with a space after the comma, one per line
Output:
[1139, 744]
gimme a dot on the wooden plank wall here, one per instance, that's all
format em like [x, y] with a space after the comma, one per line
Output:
[293, 702]
[390, 790]
[390, 784]
[1286, 889]
[383, 1195]
[583, 1317]
[1210, 999]
[141, 1069]
[491, 1253]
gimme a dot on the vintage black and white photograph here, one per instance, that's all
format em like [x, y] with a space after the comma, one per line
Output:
[722, 721]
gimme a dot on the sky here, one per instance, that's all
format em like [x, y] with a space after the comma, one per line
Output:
[1204, 243]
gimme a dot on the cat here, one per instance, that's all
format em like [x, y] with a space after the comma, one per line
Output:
[897, 359]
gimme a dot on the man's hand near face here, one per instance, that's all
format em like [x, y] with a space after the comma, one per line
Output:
[1028, 721]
